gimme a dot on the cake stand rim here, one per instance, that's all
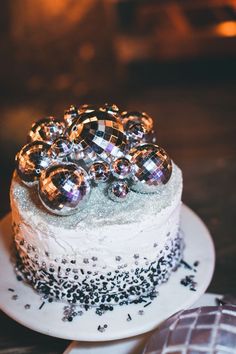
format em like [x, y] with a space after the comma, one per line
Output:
[9, 310]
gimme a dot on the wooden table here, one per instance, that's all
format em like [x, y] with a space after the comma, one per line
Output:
[197, 126]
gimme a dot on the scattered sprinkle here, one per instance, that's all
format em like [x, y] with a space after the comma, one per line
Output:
[129, 318]
[102, 328]
[189, 281]
[41, 306]
[186, 265]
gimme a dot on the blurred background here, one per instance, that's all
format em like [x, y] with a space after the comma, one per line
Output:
[176, 60]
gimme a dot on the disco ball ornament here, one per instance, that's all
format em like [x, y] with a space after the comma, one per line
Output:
[121, 168]
[135, 134]
[80, 155]
[99, 172]
[60, 148]
[100, 131]
[87, 108]
[133, 117]
[47, 129]
[64, 188]
[70, 115]
[203, 330]
[118, 191]
[31, 161]
[110, 108]
[152, 167]
[150, 137]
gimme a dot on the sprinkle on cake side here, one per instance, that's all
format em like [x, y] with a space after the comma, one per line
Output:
[109, 253]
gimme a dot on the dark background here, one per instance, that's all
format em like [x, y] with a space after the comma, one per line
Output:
[172, 59]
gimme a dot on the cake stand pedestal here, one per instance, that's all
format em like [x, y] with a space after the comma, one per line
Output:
[132, 345]
[124, 321]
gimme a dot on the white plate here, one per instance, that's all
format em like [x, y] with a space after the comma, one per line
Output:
[172, 296]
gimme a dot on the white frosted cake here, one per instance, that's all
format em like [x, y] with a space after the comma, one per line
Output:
[106, 252]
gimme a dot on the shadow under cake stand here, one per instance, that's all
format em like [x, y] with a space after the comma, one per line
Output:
[124, 321]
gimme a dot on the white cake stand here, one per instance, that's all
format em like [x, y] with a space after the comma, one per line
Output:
[172, 296]
[133, 345]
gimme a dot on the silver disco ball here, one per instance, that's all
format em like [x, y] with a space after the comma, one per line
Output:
[70, 115]
[64, 188]
[100, 131]
[31, 161]
[152, 167]
[86, 108]
[61, 148]
[118, 191]
[111, 108]
[135, 134]
[132, 117]
[99, 171]
[83, 155]
[47, 129]
[121, 168]
[202, 330]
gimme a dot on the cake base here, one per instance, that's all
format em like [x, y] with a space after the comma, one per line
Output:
[19, 301]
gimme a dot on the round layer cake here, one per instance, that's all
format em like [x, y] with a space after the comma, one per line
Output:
[108, 253]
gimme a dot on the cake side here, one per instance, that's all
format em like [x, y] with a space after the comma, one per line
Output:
[109, 253]
[105, 226]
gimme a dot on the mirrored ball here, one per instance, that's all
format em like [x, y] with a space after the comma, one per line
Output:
[47, 129]
[100, 131]
[87, 108]
[118, 191]
[60, 148]
[82, 155]
[111, 108]
[99, 172]
[121, 168]
[70, 115]
[201, 330]
[135, 134]
[131, 117]
[64, 188]
[152, 167]
[31, 161]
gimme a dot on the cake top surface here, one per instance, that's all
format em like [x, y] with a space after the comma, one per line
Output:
[100, 210]
[98, 163]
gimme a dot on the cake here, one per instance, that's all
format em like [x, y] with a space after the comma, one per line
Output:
[96, 227]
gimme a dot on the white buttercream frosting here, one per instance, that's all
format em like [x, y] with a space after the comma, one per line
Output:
[109, 232]
[107, 253]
